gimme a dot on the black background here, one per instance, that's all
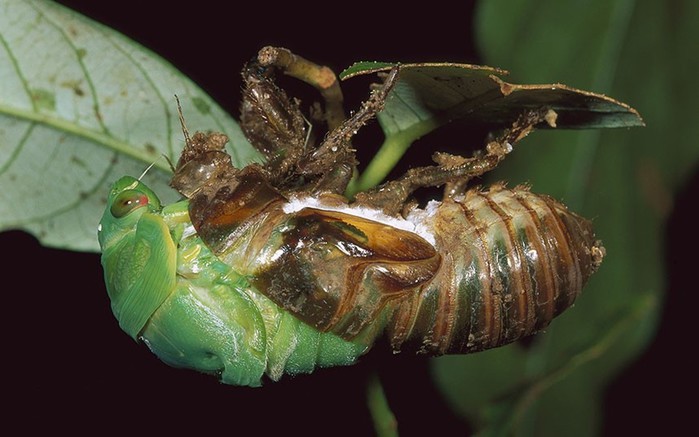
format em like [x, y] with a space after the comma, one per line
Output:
[68, 366]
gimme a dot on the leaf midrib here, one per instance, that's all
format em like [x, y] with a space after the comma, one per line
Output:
[101, 139]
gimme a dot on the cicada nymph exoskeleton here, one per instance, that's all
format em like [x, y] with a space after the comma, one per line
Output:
[270, 270]
[478, 269]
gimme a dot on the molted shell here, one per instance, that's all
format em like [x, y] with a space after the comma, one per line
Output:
[504, 264]
[512, 260]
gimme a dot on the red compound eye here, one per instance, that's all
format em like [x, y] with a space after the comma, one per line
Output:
[128, 201]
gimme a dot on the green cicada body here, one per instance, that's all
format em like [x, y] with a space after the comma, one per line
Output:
[169, 290]
[270, 270]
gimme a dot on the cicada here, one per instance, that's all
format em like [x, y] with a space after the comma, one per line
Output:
[269, 269]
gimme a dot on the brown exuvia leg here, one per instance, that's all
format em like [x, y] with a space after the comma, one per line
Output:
[272, 122]
[275, 126]
[320, 77]
[336, 152]
[454, 171]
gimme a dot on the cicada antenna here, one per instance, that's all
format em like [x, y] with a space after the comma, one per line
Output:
[185, 132]
[187, 140]
[169, 162]
[149, 167]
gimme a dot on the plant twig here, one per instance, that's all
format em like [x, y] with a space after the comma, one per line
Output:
[385, 422]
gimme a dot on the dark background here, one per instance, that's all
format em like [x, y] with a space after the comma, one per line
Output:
[71, 367]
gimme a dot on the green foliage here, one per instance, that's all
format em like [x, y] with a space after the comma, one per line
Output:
[624, 179]
[73, 120]
[81, 106]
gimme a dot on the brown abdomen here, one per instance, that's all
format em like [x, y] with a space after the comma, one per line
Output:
[511, 262]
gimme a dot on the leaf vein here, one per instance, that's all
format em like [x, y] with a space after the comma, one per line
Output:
[15, 65]
[86, 74]
[103, 139]
[151, 83]
[70, 206]
[18, 149]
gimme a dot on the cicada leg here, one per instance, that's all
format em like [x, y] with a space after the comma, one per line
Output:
[454, 171]
[275, 126]
[272, 122]
[320, 77]
[336, 152]
[329, 167]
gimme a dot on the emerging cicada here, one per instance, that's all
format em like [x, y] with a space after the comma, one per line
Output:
[269, 269]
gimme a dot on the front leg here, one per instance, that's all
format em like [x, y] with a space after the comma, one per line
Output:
[272, 122]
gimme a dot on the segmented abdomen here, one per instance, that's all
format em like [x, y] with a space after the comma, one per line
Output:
[511, 261]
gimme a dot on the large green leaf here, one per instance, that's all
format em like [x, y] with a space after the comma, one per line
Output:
[623, 179]
[430, 95]
[80, 106]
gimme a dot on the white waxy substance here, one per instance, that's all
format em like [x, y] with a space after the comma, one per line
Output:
[415, 222]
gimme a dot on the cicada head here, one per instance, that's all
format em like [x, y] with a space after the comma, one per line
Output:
[138, 254]
[128, 199]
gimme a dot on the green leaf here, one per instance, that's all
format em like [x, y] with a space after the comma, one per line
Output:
[81, 106]
[430, 95]
[624, 179]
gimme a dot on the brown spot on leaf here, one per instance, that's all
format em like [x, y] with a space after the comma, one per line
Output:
[505, 88]
[77, 161]
[75, 86]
